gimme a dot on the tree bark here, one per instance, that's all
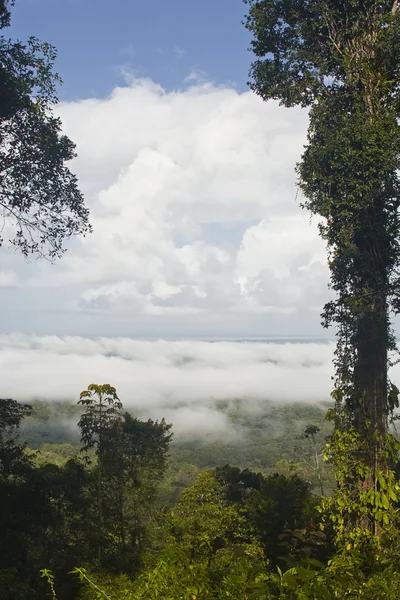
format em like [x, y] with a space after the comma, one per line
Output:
[371, 381]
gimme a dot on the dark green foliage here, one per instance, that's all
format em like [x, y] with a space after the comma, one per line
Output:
[50, 514]
[306, 50]
[342, 59]
[41, 513]
[228, 533]
[208, 549]
[5, 12]
[130, 463]
[134, 464]
[12, 457]
[271, 505]
[39, 196]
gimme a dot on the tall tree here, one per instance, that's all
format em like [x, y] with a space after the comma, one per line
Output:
[12, 454]
[40, 201]
[342, 60]
[134, 464]
[97, 424]
[131, 460]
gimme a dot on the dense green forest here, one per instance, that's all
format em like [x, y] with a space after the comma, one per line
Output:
[94, 498]
[258, 434]
[116, 493]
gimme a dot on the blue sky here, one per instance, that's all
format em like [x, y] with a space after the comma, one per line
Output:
[165, 40]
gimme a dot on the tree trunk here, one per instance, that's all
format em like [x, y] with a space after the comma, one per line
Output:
[371, 392]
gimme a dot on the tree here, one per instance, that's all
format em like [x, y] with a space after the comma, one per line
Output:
[39, 196]
[102, 413]
[13, 459]
[342, 60]
[130, 463]
[99, 421]
[271, 505]
[209, 550]
[314, 462]
[134, 464]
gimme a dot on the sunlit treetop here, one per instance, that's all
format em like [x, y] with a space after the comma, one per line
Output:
[309, 48]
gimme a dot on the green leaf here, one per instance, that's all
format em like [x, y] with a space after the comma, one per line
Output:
[385, 501]
[289, 580]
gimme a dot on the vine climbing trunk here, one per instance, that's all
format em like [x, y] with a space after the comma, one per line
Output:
[371, 389]
[372, 334]
[370, 415]
[371, 340]
[371, 410]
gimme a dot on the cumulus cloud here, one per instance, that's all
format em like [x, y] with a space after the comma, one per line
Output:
[193, 201]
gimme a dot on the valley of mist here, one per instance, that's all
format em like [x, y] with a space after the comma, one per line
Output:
[244, 402]
[184, 381]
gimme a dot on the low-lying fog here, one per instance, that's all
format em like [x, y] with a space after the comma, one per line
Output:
[178, 380]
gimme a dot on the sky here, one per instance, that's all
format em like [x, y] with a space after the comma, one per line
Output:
[189, 177]
[99, 41]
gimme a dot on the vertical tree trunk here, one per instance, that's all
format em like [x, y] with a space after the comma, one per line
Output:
[371, 383]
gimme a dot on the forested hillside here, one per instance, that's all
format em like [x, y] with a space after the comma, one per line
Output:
[108, 490]
[258, 434]
[98, 497]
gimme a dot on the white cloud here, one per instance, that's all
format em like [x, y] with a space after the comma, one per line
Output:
[281, 261]
[180, 380]
[196, 75]
[194, 209]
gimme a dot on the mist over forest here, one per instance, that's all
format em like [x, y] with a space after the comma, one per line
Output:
[227, 401]
[196, 385]
[185, 381]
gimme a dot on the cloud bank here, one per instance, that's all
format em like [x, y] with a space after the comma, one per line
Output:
[197, 228]
[180, 380]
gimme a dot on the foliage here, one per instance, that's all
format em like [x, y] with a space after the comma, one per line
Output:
[39, 196]
[130, 462]
[50, 514]
[258, 437]
[341, 59]
[12, 456]
[274, 507]
[208, 550]
[102, 414]
[57, 454]
[232, 533]
[49, 577]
